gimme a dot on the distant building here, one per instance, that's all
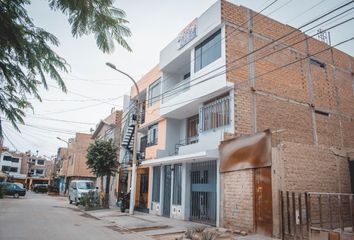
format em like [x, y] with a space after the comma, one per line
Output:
[38, 170]
[11, 163]
[62, 168]
[227, 126]
[76, 159]
[110, 128]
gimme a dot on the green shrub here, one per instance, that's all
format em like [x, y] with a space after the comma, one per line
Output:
[89, 200]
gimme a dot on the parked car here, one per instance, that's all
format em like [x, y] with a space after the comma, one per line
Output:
[19, 184]
[11, 189]
[40, 188]
[78, 188]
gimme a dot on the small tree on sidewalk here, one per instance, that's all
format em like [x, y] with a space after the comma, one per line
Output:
[102, 160]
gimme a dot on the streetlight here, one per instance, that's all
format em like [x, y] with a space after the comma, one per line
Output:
[133, 185]
[63, 140]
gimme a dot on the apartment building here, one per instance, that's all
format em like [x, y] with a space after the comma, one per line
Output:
[110, 129]
[38, 169]
[225, 126]
[76, 167]
[11, 163]
[62, 171]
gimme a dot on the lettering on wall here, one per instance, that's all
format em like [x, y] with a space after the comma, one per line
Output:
[187, 34]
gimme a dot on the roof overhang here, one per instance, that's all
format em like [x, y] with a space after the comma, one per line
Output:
[193, 157]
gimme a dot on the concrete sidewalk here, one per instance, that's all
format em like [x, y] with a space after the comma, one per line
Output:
[157, 227]
[145, 224]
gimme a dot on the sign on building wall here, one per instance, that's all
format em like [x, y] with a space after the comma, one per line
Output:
[252, 151]
[187, 34]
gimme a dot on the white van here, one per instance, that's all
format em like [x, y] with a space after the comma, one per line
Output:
[78, 188]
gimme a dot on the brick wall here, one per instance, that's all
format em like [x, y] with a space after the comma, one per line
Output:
[311, 106]
[77, 156]
[311, 168]
[237, 195]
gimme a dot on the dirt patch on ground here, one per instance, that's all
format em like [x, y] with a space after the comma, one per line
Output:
[118, 229]
[144, 229]
[88, 216]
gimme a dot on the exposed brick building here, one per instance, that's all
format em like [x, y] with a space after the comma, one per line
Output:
[308, 106]
[288, 110]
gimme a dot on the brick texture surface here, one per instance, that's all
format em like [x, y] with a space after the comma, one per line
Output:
[312, 103]
[237, 188]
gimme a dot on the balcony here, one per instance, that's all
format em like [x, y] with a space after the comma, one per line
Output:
[185, 142]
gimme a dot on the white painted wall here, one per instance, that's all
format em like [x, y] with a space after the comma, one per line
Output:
[10, 164]
[207, 22]
[202, 83]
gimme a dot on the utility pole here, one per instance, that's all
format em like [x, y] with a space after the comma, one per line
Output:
[135, 144]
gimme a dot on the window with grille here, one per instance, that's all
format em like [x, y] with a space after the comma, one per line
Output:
[177, 184]
[156, 184]
[152, 135]
[215, 114]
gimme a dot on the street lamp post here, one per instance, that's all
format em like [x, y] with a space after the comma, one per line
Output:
[135, 144]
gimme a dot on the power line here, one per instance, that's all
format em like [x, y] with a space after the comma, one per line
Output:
[61, 120]
[276, 69]
[8, 139]
[171, 91]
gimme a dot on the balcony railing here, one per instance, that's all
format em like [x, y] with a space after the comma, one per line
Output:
[185, 142]
[176, 89]
[215, 114]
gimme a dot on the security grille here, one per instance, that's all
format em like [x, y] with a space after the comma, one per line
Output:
[156, 184]
[203, 192]
[177, 184]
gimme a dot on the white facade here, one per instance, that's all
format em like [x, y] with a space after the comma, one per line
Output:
[11, 165]
[192, 93]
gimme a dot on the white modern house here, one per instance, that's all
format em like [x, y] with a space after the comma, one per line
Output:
[186, 115]
[10, 163]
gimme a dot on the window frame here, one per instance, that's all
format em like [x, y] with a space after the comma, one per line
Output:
[40, 160]
[154, 99]
[154, 128]
[211, 118]
[198, 51]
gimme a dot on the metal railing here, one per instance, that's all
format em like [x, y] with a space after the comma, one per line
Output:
[215, 114]
[185, 142]
[306, 212]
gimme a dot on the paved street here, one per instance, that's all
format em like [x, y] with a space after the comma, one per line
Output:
[42, 217]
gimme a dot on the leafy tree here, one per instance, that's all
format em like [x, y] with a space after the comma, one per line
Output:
[26, 57]
[102, 160]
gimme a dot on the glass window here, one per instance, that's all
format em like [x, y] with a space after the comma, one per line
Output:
[152, 135]
[177, 184]
[215, 113]
[13, 169]
[192, 129]
[40, 162]
[5, 168]
[7, 158]
[156, 184]
[85, 185]
[154, 92]
[39, 171]
[208, 51]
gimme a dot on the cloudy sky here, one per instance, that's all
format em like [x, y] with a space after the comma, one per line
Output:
[94, 89]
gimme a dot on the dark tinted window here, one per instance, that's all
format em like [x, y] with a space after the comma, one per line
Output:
[208, 51]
